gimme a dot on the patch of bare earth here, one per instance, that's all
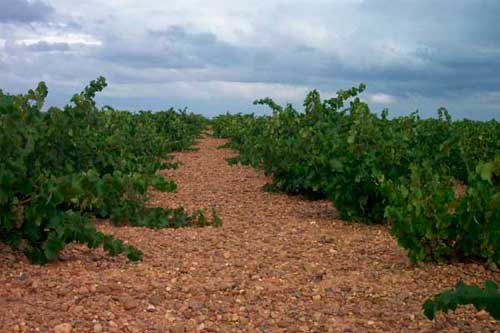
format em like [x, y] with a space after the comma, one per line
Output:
[279, 264]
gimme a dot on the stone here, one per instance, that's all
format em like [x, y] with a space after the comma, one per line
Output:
[78, 309]
[63, 328]
[97, 328]
[155, 300]
[493, 267]
[179, 328]
[169, 316]
[129, 303]
[482, 315]
[195, 305]
[83, 290]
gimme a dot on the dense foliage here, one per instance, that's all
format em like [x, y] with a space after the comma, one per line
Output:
[483, 299]
[435, 180]
[62, 168]
[433, 221]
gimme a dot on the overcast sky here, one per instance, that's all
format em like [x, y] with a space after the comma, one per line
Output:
[214, 56]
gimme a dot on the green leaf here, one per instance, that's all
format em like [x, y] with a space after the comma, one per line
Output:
[52, 247]
[483, 299]
[486, 171]
[336, 165]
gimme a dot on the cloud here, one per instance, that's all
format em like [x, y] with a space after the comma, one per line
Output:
[24, 11]
[26, 50]
[61, 37]
[43, 46]
[381, 98]
[174, 47]
[409, 56]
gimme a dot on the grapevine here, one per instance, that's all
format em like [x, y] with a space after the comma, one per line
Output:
[63, 168]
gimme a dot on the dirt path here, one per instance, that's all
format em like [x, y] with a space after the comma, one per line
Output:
[279, 264]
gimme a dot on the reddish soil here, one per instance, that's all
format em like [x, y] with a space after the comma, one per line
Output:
[279, 264]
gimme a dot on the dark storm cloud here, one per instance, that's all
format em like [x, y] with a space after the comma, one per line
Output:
[456, 41]
[24, 11]
[205, 47]
[179, 48]
[442, 52]
[446, 66]
[174, 47]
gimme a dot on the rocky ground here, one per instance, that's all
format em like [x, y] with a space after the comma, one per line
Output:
[279, 264]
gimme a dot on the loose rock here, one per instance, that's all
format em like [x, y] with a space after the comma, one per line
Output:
[97, 328]
[63, 328]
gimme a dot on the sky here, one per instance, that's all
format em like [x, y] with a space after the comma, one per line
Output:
[218, 56]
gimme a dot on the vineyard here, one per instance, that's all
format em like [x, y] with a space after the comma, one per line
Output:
[314, 204]
[436, 182]
[62, 168]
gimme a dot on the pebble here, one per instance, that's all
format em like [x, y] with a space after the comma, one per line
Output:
[169, 316]
[482, 315]
[179, 328]
[130, 303]
[64, 307]
[63, 328]
[83, 290]
[151, 308]
[316, 298]
[155, 300]
[493, 267]
[97, 328]
[78, 309]
[109, 315]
